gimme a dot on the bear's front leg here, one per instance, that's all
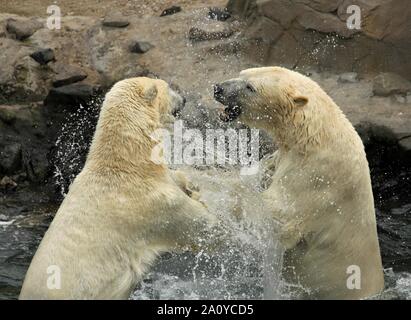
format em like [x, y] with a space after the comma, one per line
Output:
[290, 227]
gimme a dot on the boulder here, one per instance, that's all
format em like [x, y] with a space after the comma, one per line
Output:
[23, 28]
[67, 74]
[43, 56]
[109, 55]
[21, 78]
[71, 95]
[115, 20]
[140, 46]
[324, 22]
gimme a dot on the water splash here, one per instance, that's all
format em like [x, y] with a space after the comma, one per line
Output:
[246, 266]
[73, 142]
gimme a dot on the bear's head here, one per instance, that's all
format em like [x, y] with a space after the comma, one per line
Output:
[285, 103]
[262, 93]
[153, 97]
[132, 111]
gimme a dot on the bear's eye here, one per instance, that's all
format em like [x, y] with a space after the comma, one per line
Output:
[250, 88]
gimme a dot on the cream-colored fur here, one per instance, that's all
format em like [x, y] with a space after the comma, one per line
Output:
[122, 210]
[321, 188]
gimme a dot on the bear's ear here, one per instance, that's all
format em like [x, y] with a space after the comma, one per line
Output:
[151, 93]
[300, 101]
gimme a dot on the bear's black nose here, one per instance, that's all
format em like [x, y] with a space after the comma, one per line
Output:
[218, 90]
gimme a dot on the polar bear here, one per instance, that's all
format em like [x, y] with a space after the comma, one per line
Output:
[321, 189]
[122, 210]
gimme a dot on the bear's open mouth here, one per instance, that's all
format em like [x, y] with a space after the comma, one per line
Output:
[230, 113]
[232, 110]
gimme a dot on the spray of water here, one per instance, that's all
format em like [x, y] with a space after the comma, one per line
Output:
[73, 142]
[247, 265]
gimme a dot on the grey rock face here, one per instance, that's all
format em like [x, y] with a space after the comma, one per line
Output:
[21, 77]
[320, 35]
[67, 74]
[386, 84]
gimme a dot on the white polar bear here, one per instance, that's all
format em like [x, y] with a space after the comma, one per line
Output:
[122, 210]
[321, 187]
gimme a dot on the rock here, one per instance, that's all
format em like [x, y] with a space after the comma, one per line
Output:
[22, 28]
[283, 11]
[72, 94]
[382, 20]
[140, 46]
[170, 11]
[67, 74]
[3, 32]
[110, 56]
[21, 78]
[26, 121]
[36, 164]
[7, 184]
[7, 115]
[348, 77]
[405, 143]
[265, 30]
[10, 157]
[384, 29]
[285, 51]
[325, 23]
[323, 5]
[242, 8]
[400, 98]
[219, 14]
[210, 32]
[386, 84]
[115, 20]
[43, 56]
[374, 133]
[28, 82]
